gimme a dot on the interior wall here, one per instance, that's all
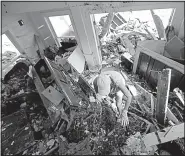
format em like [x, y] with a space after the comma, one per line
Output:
[22, 35]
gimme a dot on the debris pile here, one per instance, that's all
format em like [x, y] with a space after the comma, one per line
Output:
[91, 127]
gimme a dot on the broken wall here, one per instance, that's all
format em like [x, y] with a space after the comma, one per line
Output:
[23, 35]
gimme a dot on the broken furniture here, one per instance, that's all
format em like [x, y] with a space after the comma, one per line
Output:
[69, 99]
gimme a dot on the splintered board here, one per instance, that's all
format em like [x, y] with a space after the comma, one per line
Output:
[16, 133]
[163, 88]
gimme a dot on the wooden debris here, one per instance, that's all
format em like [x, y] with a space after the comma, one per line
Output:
[178, 105]
[179, 115]
[51, 150]
[158, 137]
[163, 88]
[171, 116]
[179, 94]
[152, 104]
[146, 121]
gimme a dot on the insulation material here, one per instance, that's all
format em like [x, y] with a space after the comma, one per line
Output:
[77, 60]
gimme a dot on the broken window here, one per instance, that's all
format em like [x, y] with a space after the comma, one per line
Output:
[64, 31]
[9, 51]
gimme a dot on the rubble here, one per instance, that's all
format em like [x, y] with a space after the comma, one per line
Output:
[92, 128]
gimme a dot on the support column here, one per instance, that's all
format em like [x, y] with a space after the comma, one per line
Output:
[86, 37]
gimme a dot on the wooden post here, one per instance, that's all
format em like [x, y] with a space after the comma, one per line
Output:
[163, 88]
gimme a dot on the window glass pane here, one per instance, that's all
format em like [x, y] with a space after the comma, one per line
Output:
[9, 51]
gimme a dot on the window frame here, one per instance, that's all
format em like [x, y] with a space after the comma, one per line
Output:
[46, 16]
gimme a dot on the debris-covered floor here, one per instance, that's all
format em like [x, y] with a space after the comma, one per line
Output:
[91, 128]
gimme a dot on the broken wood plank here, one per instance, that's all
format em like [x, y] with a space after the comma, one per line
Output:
[146, 121]
[177, 112]
[156, 138]
[177, 104]
[152, 104]
[179, 95]
[136, 59]
[171, 116]
[51, 150]
[163, 88]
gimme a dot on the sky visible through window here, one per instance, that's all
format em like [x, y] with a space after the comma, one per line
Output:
[62, 25]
